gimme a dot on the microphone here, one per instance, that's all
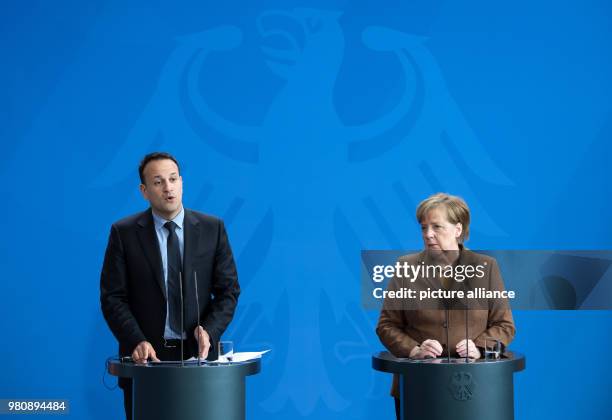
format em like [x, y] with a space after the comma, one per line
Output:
[195, 274]
[182, 315]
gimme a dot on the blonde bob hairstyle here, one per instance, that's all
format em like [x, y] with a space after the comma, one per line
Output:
[457, 211]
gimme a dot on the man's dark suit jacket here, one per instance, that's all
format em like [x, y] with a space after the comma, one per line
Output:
[132, 288]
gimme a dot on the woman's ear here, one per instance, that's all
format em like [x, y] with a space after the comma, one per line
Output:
[458, 230]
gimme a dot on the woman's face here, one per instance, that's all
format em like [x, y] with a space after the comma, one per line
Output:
[438, 233]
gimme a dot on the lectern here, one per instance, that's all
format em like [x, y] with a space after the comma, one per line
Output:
[457, 389]
[208, 391]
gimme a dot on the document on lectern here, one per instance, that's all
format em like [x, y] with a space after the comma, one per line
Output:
[191, 361]
[237, 357]
[248, 355]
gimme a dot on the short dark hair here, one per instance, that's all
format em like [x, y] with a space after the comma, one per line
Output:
[155, 156]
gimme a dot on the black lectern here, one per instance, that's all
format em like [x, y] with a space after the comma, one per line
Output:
[169, 391]
[437, 389]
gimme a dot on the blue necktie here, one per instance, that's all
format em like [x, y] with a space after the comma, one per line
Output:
[174, 268]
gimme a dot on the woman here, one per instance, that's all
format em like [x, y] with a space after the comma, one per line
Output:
[424, 333]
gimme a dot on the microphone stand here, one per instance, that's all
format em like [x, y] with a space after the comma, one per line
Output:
[448, 359]
[182, 316]
[467, 353]
[195, 273]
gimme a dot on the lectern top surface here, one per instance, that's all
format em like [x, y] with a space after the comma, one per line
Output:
[386, 362]
[128, 369]
[507, 356]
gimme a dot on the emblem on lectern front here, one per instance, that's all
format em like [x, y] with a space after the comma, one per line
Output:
[462, 386]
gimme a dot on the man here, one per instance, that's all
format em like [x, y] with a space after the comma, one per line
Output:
[147, 258]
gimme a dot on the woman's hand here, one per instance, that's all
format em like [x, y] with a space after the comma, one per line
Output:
[428, 349]
[471, 350]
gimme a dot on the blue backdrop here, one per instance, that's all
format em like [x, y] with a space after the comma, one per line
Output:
[313, 129]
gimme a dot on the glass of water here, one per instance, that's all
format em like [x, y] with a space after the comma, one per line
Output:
[226, 351]
[492, 349]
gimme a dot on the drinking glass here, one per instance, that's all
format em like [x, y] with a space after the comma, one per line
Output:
[492, 349]
[226, 351]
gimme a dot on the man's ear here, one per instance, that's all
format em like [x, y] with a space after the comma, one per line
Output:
[143, 191]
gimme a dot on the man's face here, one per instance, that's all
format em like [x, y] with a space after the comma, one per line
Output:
[163, 187]
[438, 233]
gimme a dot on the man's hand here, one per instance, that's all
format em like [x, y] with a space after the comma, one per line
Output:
[204, 340]
[471, 350]
[428, 348]
[143, 351]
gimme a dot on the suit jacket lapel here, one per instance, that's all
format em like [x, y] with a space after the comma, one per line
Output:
[150, 245]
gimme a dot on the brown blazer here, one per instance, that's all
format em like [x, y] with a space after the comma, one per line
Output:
[401, 330]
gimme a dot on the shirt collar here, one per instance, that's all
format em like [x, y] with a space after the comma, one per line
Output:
[178, 219]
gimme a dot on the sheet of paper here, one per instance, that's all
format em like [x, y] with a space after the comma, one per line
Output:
[192, 360]
[243, 356]
[238, 357]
